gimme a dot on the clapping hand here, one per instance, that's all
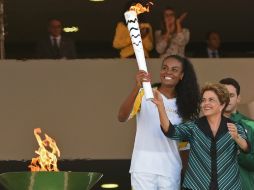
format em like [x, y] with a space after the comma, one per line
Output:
[180, 19]
[232, 130]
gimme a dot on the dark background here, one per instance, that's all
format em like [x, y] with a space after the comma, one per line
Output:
[26, 23]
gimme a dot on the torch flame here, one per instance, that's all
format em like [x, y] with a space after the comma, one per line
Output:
[138, 8]
[47, 160]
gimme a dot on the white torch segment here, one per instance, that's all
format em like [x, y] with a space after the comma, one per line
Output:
[133, 27]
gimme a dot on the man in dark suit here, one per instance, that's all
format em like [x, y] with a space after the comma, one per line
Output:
[56, 46]
[212, 49]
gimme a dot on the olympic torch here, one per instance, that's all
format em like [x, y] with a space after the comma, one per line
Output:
[133, 27]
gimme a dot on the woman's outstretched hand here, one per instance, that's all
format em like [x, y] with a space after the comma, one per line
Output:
[158, 101]
[157, 98]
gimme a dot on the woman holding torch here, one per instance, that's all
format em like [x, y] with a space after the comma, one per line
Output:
[156, 164]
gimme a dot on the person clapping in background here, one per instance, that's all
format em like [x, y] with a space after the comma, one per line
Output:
[172, 38]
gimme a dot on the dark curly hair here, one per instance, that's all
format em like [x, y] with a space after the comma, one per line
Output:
[187, 90]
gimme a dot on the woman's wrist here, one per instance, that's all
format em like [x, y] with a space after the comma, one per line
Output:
[136, 88]
[238, 137]
[160, 106]
[242, 143]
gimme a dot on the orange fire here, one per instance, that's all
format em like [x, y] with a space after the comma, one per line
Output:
[48, 153]
[138, 8]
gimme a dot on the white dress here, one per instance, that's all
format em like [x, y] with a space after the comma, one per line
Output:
[153, 152]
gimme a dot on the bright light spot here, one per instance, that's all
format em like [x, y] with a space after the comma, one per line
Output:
[96, 0]
[109, 186]
[71, 29]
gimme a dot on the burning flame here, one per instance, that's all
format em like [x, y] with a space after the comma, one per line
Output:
[47, 159]
[138, 8]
